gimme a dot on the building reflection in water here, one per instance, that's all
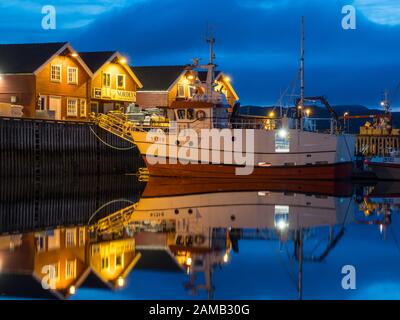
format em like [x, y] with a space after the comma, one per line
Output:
[190, 227]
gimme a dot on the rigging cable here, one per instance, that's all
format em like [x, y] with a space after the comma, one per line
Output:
[109, 145]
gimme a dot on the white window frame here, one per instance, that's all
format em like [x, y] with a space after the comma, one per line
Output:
[75, 81]
[82, 236]
[116, 81]
[69, 275]
[82, 107]
[102, 80]
[178, 93]
[51, 73]
[42, 107]
[70, 114]
[68, 231]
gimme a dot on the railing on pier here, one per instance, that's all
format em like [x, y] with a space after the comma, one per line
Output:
[375, 145]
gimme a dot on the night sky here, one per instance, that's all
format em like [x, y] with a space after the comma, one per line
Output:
[257, 40]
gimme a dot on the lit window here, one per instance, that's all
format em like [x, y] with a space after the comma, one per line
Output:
[107, 80]
[181, 90]
[72, 107]
[83, 108]
[70, 237]
[192, 91]
[104, 263]
[282, 141]
[55, 74]
[72, 75]
[81, 237]
[70, 269]
[121, 81]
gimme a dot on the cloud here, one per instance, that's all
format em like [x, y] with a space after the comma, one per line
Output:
[384, 12]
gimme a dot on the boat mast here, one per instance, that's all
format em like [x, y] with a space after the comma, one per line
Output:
[211, 66]
[301, 103]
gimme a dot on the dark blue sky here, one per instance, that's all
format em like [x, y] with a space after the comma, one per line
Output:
[257, 40]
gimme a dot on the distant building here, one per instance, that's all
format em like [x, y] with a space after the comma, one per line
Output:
[114, 84]
[162, 85]
[43, 80]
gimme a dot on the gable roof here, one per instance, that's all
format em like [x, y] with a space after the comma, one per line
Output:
[203, 75]
[96, 60]
[218, 75]
[26, 58]
[32, 57]
[158, 78]
[158, 259]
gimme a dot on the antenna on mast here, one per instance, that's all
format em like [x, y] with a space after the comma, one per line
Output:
[211, 66]
[301, 103]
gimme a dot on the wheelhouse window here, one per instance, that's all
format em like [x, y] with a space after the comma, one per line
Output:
[72, 75]
[83, 108]
[181, 114]
[181, 91]
[72, 107]
[121, 81]
[55, 73]
[106, 80]
[190, 114]
[282, 141]
[281, 217]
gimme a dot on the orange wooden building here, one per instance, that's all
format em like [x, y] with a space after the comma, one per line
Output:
[114, 84]
[43, 80]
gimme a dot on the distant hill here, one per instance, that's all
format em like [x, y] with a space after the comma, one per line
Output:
[321, 112]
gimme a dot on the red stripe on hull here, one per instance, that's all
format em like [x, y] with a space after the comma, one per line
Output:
[167, 186]
[339, 171]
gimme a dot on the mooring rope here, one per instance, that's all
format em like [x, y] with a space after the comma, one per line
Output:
[106, 205]
[109, 145]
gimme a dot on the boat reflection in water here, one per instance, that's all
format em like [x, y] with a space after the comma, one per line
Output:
[192, 227]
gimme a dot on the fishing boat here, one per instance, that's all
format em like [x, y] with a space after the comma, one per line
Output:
[253, 148]
[385, 167]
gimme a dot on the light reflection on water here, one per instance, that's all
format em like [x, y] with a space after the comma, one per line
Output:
[202, 239]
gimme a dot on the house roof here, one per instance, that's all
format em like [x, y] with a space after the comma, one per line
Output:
[26, 58]
[203, 75]
[26, 286]
[95, 60]
[158, 78]
[157, 259]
